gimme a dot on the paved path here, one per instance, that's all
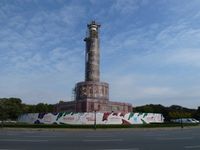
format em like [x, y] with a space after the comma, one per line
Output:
[129, 139]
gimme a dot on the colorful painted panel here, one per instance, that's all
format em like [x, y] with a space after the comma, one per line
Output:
[89, 118]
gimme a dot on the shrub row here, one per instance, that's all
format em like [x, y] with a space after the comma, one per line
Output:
[155, 125]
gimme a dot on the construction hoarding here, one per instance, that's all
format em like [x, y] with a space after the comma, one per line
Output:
[89, 118]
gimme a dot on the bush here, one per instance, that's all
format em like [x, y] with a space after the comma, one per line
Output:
[154, 125]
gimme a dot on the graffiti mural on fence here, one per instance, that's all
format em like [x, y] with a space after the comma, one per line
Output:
[89, 118]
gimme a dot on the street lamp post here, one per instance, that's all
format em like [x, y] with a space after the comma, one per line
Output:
[181, 117]
[95, 120]
[1, 123]
[2, 116]
[181, 122]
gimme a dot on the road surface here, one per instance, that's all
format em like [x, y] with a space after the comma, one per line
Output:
[110, 139]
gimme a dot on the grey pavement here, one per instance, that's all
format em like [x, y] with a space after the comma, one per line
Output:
[116, 139]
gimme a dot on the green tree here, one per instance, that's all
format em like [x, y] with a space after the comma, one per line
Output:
[3, 114]
[11, 108]
[41, 108]
[172, 112]
[50, 107]
[197, 114]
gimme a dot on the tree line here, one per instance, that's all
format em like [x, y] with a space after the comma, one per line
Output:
[171, 112]
[11, 108]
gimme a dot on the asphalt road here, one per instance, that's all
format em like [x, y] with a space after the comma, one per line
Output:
[127, 139]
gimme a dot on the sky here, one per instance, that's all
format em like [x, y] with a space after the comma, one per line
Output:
[150, 49]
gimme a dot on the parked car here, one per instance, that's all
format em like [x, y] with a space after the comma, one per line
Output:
[185, 120]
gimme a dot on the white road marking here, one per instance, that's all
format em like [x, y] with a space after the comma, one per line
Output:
[155, 135]
[98, 136]
[175, 138]
[7, 149]
[123, 149]
[21, 140]
[102, 140]
[192, 147]
[36, 136]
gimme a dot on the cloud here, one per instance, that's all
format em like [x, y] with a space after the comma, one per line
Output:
[125, 7]
[168, 60]
[62, 59]
[71, 14]
[38, 52]
[185, 57]
[139, 88]
[149, 53]
[36, 35]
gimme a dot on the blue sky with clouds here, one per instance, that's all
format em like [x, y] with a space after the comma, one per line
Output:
[150, 49]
